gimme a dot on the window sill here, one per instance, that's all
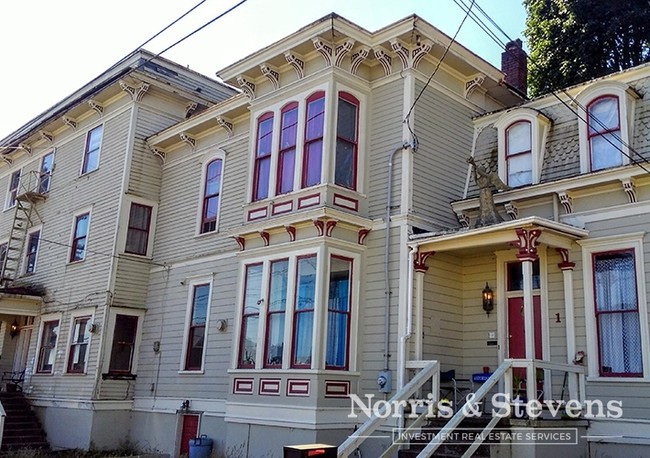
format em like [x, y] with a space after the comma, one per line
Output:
[200, 235]
[290, 371]
[6, 209]
[191, 372]
[74, 374]
[85, 174]
[72, 263]
[136, 256]
[599, 379]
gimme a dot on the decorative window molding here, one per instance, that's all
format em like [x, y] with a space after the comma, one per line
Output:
[197, 319]
[591, 101]
[209, 205]
[593, 251]
[539, 128]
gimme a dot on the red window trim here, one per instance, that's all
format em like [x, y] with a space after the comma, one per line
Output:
[192, 328]
[312, 98]
[600, 133]
[281, 151]
[76, 239]
[355, 150]
[206, 197]
[137, 229]
[296, 312]
[598, 313]
[519, 153]
[88, 152]
[258, 158]
[268, 315]
[73, 344]
[348, 313]
[39, 365]
[242, 336]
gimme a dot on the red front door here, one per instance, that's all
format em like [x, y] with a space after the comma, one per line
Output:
[516, 328]
[190, 430]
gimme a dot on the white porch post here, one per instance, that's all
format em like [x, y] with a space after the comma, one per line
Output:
[569, 319]
[420, 269]
[527, 244]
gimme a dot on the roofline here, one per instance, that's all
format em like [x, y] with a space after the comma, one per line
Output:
[115, 72]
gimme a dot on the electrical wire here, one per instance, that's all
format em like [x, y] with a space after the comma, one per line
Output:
[435, 70]
[590, 115]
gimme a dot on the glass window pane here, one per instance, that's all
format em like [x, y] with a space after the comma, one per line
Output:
[338, 312]
[289, 128]
[262, 174]
[287, 171]
[249, 340]
[347, 120]
[315, 119]
[518, 138]
[279, 278]
[306, 283]
[200, 304]
[275, 343]
[303, 340]
[345, 166]
[124, 336]
[253, 292]
[313, 163]
[520, 170]
[606, 151]
[195, 350]
[603, 115]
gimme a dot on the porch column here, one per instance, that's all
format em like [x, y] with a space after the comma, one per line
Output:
[566, 267]
[527, 244]
[420, 268]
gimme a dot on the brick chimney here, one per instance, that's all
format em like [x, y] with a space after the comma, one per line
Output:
[513, 64]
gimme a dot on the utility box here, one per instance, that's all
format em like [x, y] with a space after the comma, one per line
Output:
[310, 450]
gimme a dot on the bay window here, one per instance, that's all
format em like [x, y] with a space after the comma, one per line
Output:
[313, 149]
[617, 314]
[281, 299]
[345, 168]
[287, 152]
[263, 157]
[604, 133]
[519, 156]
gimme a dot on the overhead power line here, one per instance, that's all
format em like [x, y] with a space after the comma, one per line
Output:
[590, 115]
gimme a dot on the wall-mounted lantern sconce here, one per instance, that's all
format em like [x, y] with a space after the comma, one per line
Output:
[13, 329]
[488, 299]
[185, 405]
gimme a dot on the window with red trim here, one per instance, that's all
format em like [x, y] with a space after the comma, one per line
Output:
[264, 146]
[137, 235]
[604, 132]
[276, 312]
[287, 150]
[617, 314]
[196, 331]
[79, 237]
[313, 148]
[211, 196]
[303, 318]
[338, 313]
[79, 345]
[519, 156]
[250, 315]
[345, 168]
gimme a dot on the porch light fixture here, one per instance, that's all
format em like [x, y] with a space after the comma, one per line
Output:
[13, 331]
[488, 299]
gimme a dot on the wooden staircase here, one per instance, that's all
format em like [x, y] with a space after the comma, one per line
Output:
[22, 429]
[455, 448]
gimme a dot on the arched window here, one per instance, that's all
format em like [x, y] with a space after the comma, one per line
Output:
[519, 156]
[313, 150]
[287, 150]
[211, 195]
[263, 157]
[604, 133]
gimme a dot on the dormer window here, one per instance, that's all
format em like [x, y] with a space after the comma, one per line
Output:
[522, 139]
[604, 133]
[605, 117]
[519, 155]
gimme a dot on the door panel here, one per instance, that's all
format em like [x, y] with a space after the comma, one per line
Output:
[190, 430]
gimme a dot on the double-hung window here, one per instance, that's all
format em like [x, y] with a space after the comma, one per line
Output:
[250, 316]
[617, 314]
[313, 148]
[92, 150]
[519, 156]
[339, 305]
[33, 240]
[303, 318]
[211, 196]
[137, 234]
[79, 237]
[45, 177]
[345, 170]
[264, 147]
[47, 347]
[78, 353]
[12, 193]
[604, 133]
[287, 151]
[123, 348]
[198, 315]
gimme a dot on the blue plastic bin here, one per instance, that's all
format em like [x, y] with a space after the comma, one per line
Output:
[200, 447]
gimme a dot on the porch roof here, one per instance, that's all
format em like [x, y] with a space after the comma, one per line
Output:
[553, 233]
[20, 304]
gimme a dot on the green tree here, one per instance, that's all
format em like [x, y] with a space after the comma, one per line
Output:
[571, 41]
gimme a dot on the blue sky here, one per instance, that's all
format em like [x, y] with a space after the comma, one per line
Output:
[50, 49]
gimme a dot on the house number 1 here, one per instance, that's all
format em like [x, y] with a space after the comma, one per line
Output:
[557, 318]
